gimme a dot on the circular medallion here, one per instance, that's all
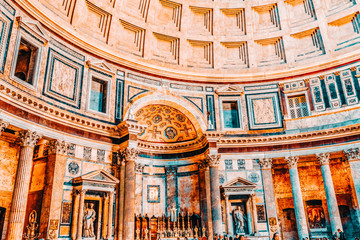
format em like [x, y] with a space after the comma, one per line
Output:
[73, 168]
[180, 117]
[170, 132]
[157, 119]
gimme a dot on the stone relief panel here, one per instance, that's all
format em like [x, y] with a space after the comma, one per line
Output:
[165, 124]
[73, 168]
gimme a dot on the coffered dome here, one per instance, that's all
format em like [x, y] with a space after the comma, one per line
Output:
[221, 40]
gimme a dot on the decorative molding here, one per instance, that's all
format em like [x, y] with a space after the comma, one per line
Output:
[57, 147]
[292, 161]
[101, 66]
[230, 90]
[352, 154]
[34, 27]
[266, 163]
[323, 158]
[28, 138]
[144, 8]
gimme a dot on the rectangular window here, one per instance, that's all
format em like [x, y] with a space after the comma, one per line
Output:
[26, 61]
[98, 95]
[298, 106]
[231, 114]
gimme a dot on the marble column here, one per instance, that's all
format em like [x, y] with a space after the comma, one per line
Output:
[81, 214]
[269, 193]
[74, 220]
[54, 182]
[130, 156]
[105, 200]
[28, 140]
[297, 196]
[353, 156]
[213, 161]
[335, 220]
[121, 200]
[205, 197]
[229, 220]
[248, 216]
[110, 216]
[254, 213]
[139, 169]
[171, 189]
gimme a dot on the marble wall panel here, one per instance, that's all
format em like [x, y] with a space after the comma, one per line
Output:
[157, 209]
[38, 177]
[188, 190]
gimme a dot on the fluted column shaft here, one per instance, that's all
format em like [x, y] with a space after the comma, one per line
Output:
[298, 200]
[121, 201]
[213, 161]
[229, 221]
[254, 214]
[28, 140]
[52, 196]
[75, 214]
[81, 214]
[130, 155]
[110, 215]
[332, 204]
[353, 156]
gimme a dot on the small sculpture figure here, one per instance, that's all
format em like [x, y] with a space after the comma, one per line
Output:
[239, 219]
[32, 227]
[89, 218]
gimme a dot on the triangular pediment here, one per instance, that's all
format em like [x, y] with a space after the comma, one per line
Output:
[229, 90]
[101, 66]
[239, 182]
[34, 27]
[99, 176]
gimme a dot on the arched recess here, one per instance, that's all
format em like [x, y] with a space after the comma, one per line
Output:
[194, 115]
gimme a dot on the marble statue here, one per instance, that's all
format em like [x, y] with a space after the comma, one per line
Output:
[89, 218]
[239, 219]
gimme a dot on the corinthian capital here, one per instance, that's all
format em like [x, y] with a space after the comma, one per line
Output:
[213, 160]
[57, 147]
[292, 161]
[28, 138]
[130, 154]
[352, 154]
[265, 163]
[324, 158]
[3, 125]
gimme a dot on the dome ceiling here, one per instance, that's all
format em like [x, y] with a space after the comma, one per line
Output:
[210, 40]
[165, 124]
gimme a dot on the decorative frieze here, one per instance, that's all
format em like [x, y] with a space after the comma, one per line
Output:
[28, 138]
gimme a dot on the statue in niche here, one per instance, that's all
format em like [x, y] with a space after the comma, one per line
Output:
[89, 218]
[239, 219]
